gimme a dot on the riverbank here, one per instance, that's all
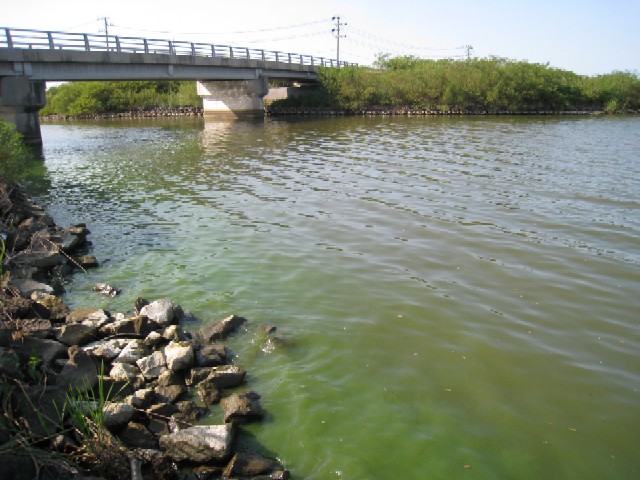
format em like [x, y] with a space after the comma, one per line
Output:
[274, 110]
[91, 393]
[148, 113]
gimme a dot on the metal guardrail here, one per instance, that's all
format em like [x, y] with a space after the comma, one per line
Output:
[88, 42]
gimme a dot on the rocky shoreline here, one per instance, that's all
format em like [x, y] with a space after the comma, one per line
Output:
[93, 394]
[148, 113]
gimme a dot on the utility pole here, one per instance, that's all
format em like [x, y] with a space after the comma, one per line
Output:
[469, 49]
[336, 33]
[106, 28]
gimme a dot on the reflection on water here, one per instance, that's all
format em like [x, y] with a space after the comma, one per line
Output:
[459, 294]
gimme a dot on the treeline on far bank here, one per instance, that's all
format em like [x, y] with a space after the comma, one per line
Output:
[79, 99]
[493, 85]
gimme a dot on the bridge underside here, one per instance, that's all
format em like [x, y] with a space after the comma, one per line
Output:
[228, 86]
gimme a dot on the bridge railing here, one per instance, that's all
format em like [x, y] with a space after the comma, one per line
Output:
[51, 40]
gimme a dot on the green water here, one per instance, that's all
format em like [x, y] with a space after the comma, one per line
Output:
[460, 296]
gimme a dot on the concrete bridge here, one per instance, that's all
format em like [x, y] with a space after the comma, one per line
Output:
[231, 80]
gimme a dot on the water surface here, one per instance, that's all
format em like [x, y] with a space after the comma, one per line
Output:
[460, 295]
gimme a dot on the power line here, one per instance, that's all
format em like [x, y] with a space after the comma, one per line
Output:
[388, 42]
[237, 32]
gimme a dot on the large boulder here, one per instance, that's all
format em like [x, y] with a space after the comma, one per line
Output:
[250, 464]
[226, 376]
[179, 356]
[79, 372]
[242, 407]
[202, 443]
[124, 372]
[132, 352]
[221, 329]
[117, 414]
[153, 365]
[161, 311]
[77, 334]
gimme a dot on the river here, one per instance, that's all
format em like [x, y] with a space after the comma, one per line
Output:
[459, 295]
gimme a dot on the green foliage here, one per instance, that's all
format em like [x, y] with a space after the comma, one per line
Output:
[88, 98]
[493, 85]
[14, 154]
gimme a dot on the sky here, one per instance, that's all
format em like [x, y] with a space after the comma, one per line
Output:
[589, 37]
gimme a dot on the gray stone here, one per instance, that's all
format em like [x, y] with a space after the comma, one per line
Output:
[77, 334]
[135, 435]
[124, 371]
[179, 356]
[153, 365]
[106, 349]
[221, 329]
[142, 398]
[27, 287]
[9, 363]
[250, 464]
[226, 376]
[174, 333]
[200, 443]
[117, 414]
[132, 352]
[170, 393]
[161, 311]
[44, 348]
[197, 375]
[210, 355]
[79, 372]
[208, 393]
[153, 339]
[168, 377]
[242, 407]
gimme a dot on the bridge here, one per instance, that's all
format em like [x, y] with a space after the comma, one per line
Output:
[231, 80]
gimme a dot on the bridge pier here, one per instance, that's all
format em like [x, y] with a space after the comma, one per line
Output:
[238, 98]
[20, 101]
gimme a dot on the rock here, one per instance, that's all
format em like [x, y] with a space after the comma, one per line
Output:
[168, 377]
[124, 371]
[142, 398]
[250, 464]
[226, 376]
[54, 306]
[42, 259]
[28, 287]
[179, 356]
[189, 411]
[242, 407]
[197, 375]
[106, 350]
[158, 427]
[174, 333]
[161, 311]
[79, 372]
[162, 410]
[44, 348]
[210, 355]
[9, 363]
[208, 393]
[221, 329]
[99, 318]
[153, 339]
[77, 334]
[117, 414]
[153, 365]
[39, 409]
[80, 314]
[200, 443]
[105, 289]
[135, 435]
[132, 352]
[86, 261]
[123, 326]
[170, 393]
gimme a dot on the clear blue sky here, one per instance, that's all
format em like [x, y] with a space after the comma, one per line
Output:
[586, 36]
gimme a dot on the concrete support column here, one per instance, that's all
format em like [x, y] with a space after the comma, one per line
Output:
[20, 101]
[233, 97]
